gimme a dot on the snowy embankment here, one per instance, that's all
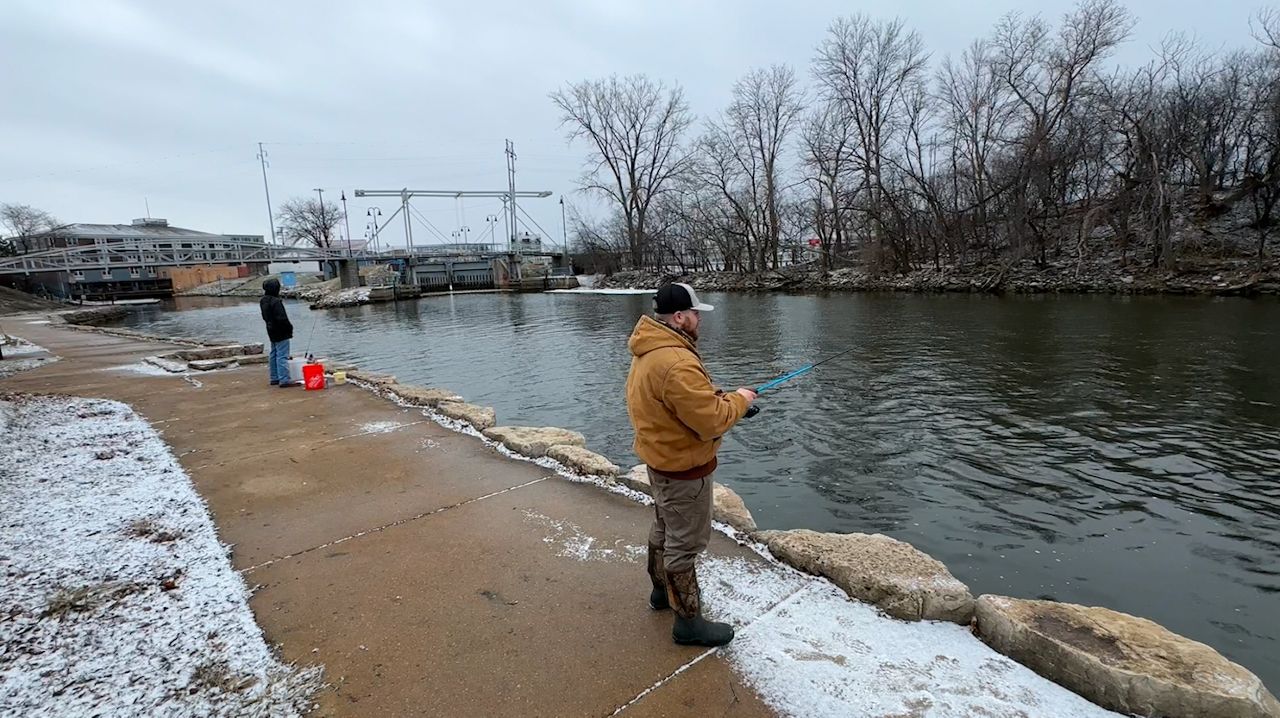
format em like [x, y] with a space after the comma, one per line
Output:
[21, 355]
[589, 290]
[118, 598]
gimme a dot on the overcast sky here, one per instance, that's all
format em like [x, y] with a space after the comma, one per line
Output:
[110, 102]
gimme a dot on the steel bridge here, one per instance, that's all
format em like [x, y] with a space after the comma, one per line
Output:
[187, 252]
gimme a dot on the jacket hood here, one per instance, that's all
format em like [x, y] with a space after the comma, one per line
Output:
[650, 334]
[271, 287]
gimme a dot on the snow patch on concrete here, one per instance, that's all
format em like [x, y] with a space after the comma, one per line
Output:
[17, 346]
[118, 597]
[141, 367]
[570, 541]
[9, 367]
[810, 651]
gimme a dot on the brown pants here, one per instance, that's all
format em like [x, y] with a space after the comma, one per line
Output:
[682, 518]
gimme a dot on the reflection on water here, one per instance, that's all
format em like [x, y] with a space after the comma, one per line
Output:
[1099, 450]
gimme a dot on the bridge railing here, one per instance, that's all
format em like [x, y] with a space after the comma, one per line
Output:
[150, 252]
[183, 252]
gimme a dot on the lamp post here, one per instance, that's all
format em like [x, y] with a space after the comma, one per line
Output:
[347, 221]
[492, 221]
[324, 224]
[564, 235]
[374, 213]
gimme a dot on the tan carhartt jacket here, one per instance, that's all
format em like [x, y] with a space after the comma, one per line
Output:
[678, 416]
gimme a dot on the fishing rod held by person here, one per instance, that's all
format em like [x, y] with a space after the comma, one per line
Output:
[774, 383]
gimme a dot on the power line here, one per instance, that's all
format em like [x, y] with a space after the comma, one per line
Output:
[430, 226]
[540, 229]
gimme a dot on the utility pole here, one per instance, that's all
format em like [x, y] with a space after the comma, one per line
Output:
[506, 220]
[511, 181]
[324, 220]
[347, 220]
[408, 228]
[271, 218]
[564, 234]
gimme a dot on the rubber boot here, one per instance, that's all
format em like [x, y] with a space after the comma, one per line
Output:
[690, 628]
[658, 575]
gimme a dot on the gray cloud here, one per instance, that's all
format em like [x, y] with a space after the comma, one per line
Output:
[108, 102]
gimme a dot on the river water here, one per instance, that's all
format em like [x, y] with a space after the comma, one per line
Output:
[1121, 452]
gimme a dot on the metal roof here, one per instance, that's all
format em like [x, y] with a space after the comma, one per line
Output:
[123, 231]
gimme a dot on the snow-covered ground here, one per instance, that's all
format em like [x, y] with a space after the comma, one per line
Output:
[17, 346]
[588, 290]
[117, 598]
[810, 651]
[21, 355]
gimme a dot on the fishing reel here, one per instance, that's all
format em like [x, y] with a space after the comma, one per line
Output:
[751, 411]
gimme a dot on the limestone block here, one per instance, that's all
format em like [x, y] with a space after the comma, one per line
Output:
[1123, 663]
[583, 460]
[896, 577]
[372, 378]
[421, 395]
[728, 507]
[533, 441]
[637, 478]
[481, 417]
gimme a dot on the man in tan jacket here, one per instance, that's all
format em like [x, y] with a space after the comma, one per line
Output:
[679, 417]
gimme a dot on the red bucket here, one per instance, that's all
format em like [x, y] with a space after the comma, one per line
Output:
[313, 376]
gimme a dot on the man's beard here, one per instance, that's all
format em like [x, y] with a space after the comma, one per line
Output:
[692, 332]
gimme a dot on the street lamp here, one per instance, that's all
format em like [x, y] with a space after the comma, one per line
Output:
[492, 219]
[324, 224]
[375, 213]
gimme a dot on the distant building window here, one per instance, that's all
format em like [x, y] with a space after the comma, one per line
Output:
[78, 275]
[135, 273]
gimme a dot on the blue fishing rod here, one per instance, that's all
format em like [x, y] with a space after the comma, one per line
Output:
[774, 383]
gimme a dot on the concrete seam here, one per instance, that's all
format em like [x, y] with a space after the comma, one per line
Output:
[663, 682]
[773, 609]
[393, 524]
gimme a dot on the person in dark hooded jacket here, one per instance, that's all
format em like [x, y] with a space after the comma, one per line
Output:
[279, 331]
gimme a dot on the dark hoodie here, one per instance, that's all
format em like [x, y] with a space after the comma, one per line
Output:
[272, 306]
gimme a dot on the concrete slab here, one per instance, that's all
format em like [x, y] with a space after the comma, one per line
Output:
[710, 687]
[309, 494]
[530, 602]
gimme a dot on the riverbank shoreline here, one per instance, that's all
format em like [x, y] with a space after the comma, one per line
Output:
[1243, 278]
[447, 519]
[811, 553]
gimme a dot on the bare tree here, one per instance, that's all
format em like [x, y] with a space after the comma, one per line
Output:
[827, 142]
[309, 221]
[1266, 27]
[634, 127]
[22, 221]
[869, 66]
[1262, 132]
[978, 110]
[1022, 148]
[761, 117]
[1046, 74]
